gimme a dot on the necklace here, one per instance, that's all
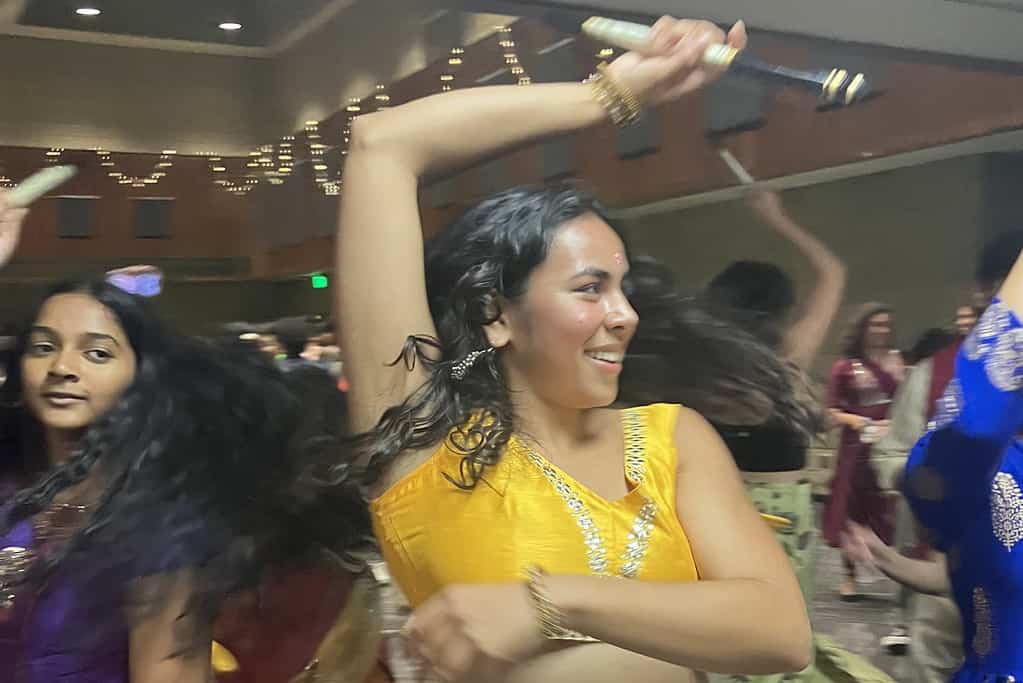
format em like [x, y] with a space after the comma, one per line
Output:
[56, 523]
[15, 562]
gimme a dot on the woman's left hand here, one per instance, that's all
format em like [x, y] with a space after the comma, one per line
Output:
[672, 65]
[476, 633]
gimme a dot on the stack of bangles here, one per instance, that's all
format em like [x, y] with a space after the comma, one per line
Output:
[621, 104]
[551, 619]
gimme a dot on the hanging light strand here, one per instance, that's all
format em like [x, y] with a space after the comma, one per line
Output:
[511, 55]
[115, 172]
[275, 163]
[447, 79]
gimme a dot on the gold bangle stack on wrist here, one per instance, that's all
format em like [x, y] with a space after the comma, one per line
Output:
[551, 619]
[621, 104]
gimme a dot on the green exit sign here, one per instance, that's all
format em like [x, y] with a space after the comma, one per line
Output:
[319, 281]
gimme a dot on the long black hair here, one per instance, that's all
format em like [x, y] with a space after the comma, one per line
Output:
[207, 462]
[680, 352]
[754, 295]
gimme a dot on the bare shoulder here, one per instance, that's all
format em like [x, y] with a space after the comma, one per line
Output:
[695, 435]
[689, 418]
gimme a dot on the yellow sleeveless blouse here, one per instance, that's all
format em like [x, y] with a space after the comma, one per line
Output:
[527, 512]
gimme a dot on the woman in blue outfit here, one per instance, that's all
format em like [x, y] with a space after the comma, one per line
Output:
[963, 482]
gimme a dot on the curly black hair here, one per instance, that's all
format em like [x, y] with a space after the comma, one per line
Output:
[208, 462]
[680, 352]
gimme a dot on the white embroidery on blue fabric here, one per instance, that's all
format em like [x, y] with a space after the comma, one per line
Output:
[948, 407]
[996, 320]
[1006, 510]
[1004, 365]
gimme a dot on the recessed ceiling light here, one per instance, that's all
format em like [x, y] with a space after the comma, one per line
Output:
[89, 11]
[231, 26]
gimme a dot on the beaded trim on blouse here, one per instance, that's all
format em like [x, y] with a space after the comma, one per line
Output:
[634, 426]
[635, 446]
[596, 550]
[639, 539]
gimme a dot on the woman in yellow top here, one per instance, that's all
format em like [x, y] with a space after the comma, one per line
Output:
[539, 534]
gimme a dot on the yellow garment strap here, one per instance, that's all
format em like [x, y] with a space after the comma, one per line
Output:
[222, 660]
[776, 522]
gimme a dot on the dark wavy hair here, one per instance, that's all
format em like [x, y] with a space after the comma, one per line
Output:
[997, 257]
[753, 295]
[856, 328]
[929, 342]
[208, 461]
[680, 353]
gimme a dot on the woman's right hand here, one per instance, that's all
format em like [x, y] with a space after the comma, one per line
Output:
[11, 220]
[672, 66]
[861, 545]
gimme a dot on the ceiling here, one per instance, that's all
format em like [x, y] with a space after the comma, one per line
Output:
[984, 29]
[265, 22]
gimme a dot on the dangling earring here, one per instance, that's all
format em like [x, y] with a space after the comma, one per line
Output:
[460, 369]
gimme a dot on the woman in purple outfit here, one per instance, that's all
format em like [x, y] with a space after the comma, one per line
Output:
[144, 476]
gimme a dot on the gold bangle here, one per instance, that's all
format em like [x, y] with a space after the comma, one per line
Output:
[551, 619]
[621, 104]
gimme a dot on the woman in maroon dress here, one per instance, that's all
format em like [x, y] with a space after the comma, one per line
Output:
[860, 392]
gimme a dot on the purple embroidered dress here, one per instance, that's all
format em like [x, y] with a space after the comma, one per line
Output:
[65, 631]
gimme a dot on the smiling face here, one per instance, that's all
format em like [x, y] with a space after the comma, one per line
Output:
[77, 363]
[565, 338]
[878, 331]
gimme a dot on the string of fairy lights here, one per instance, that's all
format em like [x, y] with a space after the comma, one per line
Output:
[511, 56]
[275, 163]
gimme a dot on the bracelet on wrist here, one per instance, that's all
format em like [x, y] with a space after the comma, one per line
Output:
[620, 103]
[550, 618]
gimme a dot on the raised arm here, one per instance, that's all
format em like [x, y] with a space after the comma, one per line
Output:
[953, 470]
[11, 221]
[381, 296]
[803, 339]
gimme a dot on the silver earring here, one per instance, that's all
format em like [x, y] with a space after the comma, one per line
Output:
[460, 369]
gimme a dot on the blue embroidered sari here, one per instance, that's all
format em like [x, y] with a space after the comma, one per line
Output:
[963, 482]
